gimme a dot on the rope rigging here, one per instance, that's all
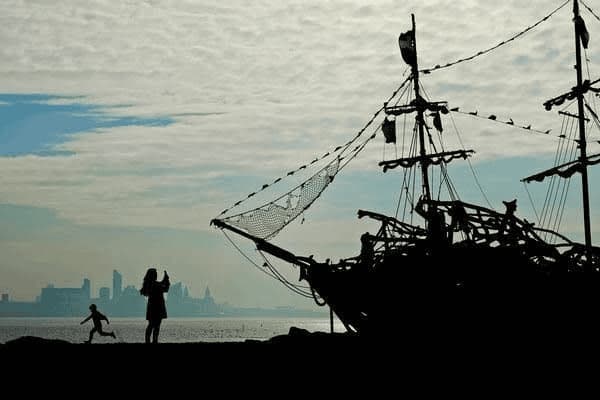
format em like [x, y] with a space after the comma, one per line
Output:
[589, 9]
[299, 289]
[471, 168]
[494, 118]
[569, 153]
[439, 179]
[272, 271]
[407, 175]
[537, 215]
[594, 116]
[269, 219]
[443, 175]
[552, 211]
[480, 53]
[341, 149]
[555, 200]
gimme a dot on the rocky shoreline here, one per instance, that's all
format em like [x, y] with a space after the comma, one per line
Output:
[297, 340]
[298, 355]
[295, 351]
[295, 335]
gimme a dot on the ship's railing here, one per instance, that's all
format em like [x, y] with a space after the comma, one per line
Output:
[400, 227]
[478, 225]
[486, 226]
[392, 231]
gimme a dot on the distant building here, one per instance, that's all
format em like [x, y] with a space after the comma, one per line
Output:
[207, 295]
[65, 301]
[181, 304]
[130, 291]
[175, 294]
[117, 284]
[208, 303]
[104, 294]
[87, 288]
[129, 304]
[18, 308]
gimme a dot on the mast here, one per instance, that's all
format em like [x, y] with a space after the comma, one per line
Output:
[420, 120]
[408, 48]
[582, 141]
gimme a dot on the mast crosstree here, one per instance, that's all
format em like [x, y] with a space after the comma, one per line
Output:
[408, 47]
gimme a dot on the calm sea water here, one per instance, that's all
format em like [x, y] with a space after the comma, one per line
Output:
[173, 330]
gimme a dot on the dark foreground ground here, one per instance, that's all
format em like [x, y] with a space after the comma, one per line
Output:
[300, 348]
[296, 346]
[482, 363]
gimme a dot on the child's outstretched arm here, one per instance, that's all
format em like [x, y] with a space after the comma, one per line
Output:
[85, 320]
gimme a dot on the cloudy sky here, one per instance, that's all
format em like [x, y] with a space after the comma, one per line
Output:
[125, 126]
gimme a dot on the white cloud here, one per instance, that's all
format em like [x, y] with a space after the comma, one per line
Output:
[279, 82]
[292, 79]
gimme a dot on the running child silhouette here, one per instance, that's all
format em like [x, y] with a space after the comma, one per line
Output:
[97, 317]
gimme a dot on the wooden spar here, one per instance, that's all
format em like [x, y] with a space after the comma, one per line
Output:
[582, 141]
[420, 118]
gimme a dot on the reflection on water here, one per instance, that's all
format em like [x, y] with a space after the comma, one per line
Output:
[173, 330]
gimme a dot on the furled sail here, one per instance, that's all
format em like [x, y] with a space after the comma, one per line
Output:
[430, 159]
[564, 170]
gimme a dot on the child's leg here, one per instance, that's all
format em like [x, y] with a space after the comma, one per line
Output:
[102, 333]
[92, 334]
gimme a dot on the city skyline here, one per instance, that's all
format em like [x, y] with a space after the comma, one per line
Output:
[126, 301]
[97, 288]
[123, 300]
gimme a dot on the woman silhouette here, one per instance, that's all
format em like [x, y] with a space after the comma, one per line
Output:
[156, 309]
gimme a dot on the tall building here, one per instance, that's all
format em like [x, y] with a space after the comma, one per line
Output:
[130, 303]
[86, 289]
[117, 284]
[208, 303]
[104, 294]
[175, 294]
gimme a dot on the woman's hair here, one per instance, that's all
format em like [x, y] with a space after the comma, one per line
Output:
[150, 278]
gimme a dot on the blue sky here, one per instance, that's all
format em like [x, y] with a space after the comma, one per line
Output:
[32, 124]
[126, 127]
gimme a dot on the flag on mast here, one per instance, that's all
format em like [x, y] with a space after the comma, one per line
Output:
[406, 41]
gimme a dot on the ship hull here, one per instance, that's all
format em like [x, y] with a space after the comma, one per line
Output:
[459, 289]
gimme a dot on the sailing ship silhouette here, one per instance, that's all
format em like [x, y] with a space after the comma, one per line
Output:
[469, 264]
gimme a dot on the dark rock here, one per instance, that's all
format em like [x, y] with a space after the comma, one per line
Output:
[35, 341]
[294, 331]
